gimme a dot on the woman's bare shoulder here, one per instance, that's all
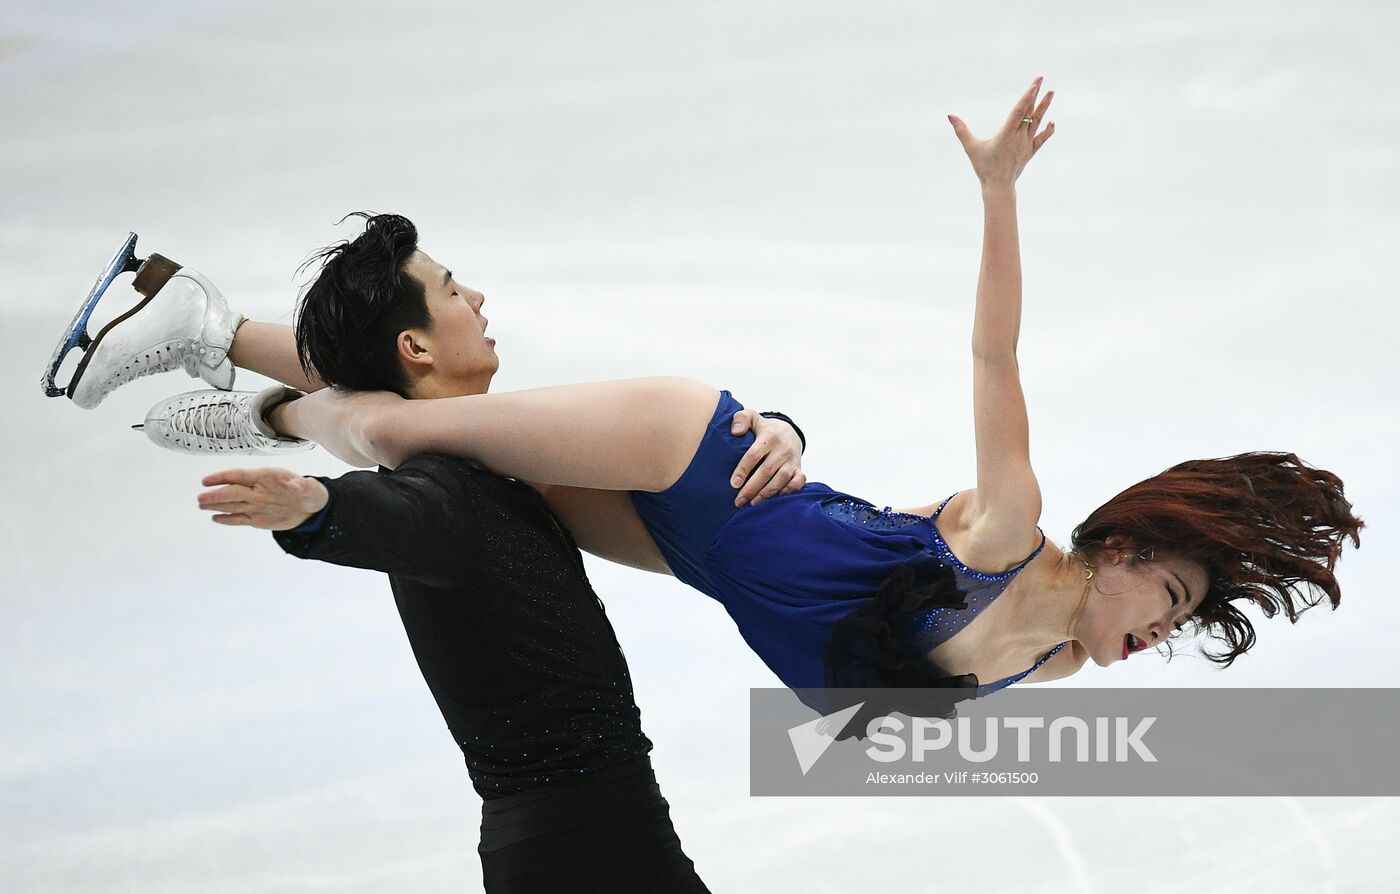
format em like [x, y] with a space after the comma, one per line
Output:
[991, 546]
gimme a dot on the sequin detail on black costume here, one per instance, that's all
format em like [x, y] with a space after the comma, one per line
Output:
[512, 641]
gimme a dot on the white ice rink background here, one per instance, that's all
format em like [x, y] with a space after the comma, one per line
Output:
[765, 196]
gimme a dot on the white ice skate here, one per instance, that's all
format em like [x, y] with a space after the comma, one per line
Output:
[221, 422]
[182, 320]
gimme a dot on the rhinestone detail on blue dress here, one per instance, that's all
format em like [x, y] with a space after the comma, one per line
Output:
[852, 510]
[940, 624]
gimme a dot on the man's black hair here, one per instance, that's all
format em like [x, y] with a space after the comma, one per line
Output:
[348, 320]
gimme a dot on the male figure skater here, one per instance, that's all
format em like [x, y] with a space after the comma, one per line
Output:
[511, 639]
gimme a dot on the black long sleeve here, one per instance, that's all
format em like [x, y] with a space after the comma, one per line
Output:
[397, 522]
[511, 639]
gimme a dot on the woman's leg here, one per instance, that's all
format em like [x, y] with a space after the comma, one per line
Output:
[270, 349]
[606, 524]
[631, 434]
[603, 522]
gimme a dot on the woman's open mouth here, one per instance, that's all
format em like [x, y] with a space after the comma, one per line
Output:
[1132, 644]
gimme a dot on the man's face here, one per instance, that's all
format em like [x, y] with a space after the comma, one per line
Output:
[464, 357]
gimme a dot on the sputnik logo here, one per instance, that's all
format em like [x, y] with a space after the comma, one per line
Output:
[810, 740]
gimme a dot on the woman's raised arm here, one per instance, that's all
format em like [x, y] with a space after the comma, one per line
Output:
[998, 162]
[1007, 497]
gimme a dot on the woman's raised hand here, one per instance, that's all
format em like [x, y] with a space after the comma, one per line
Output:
[1000, 160]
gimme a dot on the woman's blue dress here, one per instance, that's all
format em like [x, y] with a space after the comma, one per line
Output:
[793, 568]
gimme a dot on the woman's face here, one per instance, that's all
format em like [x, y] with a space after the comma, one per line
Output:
[1134, 604]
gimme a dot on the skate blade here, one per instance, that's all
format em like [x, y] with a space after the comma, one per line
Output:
[76, 335]
[140, 426]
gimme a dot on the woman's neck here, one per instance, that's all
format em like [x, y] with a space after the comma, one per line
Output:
[1045, 608]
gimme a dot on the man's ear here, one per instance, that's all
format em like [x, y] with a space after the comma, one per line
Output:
[412, 348]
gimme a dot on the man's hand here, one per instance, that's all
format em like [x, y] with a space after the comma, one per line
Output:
[271, 499]
[773, 465]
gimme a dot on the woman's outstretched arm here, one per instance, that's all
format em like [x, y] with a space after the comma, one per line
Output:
[630, 434]
[1007, 500]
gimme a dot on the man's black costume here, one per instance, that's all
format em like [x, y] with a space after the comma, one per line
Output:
[523, 663]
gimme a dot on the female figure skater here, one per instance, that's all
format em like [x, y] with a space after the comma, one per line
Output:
[830, 591]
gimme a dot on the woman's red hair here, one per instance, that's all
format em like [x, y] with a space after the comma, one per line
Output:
[1261, 523]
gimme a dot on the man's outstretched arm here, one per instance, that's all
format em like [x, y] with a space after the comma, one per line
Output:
[413, 522]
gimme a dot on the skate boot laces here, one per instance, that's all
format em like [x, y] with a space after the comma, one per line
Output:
[221, 424]
[159, 359]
